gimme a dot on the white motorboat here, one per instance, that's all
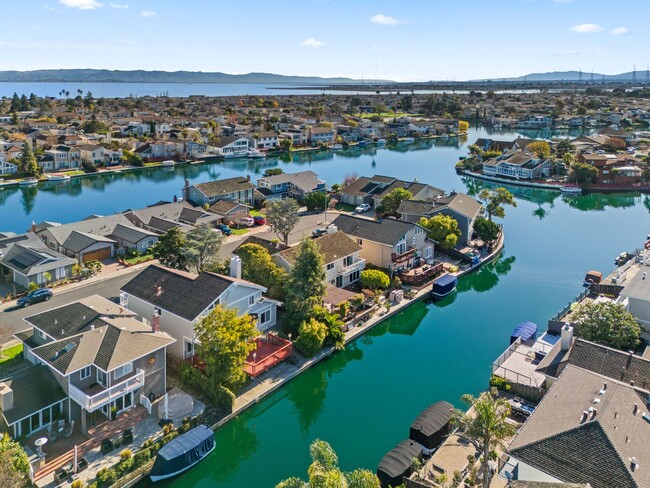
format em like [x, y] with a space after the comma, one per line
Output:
[28, 182]
[337, 147]
[168, 164]
[58, 177]
[571, 189]
[255, 154]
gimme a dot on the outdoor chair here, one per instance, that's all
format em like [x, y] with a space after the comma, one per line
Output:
[82, 464]
[127, 437]
[60, 475]
[107, 446]
[69, 429]
[50, 433]
[60, 426]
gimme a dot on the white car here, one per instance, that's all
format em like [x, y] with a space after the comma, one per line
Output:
[246, 222]
[364, 207]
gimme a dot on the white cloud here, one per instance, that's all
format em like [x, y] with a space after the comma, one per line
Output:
[119, 5]
[620, 31]
[385, 20]
[586, 28]
[148, 13]
[311, 42]
[82, 4]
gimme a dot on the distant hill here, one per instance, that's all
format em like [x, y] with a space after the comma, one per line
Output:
[575, 76]
[141, 76]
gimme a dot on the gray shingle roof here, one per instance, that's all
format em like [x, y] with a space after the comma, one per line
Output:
[557, 439]
[221, 187]
[460, 203]
[131, 234]
[29, 260]
[332, 246]
[386, 231]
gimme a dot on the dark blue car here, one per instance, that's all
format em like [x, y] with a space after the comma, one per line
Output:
[225, 230]
[35, 296]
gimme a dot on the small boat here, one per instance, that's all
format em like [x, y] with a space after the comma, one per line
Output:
[168, 164]
[235, 155]
[571, 189]
[409, 140]
[337, 147]
[592, 278]
[255, 154]
[443, 286]
[444, 136]
[58, 177]
[28, 182]
[623, 258]
[361, 143]
[182, 453]
[381, 142]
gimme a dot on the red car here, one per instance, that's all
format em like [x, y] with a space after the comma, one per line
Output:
[259, 220]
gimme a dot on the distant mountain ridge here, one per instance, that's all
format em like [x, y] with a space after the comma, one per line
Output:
[576, 76]
[142, 76]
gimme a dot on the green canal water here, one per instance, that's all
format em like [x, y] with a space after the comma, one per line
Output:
[363, 399]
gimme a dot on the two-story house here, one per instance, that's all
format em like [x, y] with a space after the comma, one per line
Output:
[64, 157]
[322, 135]
[390, 244]
[517, 164]
[238, 189]
[266, 140]
[181, 300]
[342, 262]
[91, 358]
[92, 154]
[7, 168]
[290, 185]
[232, 146]
[371, 190]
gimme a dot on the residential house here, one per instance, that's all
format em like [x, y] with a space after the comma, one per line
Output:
[636, 297]
[92, 359]
[390, 244]
[518, 164]
[232, 146]
[95, 238]
[322, 135]
[25, 259]
[238, 189]
[7, 168]
[265, 140]
[135, 128]
[298, 137]
[588, 428]
[65, 157]
[290, 185]
[180, 300]
[422, 127]
[164, 216]
[461, 207]
[341, 258]
[92, 154]
[159, 150]
[372, 190]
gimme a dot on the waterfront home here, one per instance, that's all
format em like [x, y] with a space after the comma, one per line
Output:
[371, 190]
[535, 122]
[265, 140]
[92, 154]
[298, 136]
[64, 157]
[518, 164]
[229, 211]
[25, 259]
[159, 150]
[238, 189]
[587, 429]
[341, 258]
[180, 300]
[635, 295]
[95, 238]
[461, 207]
[7, 168]
[92, 359]
[290, 185]
[232, 146]
[390, 244]
[322, 135]
[422, 127]
[164, 216]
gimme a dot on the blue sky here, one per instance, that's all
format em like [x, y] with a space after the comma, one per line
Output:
[409, 40]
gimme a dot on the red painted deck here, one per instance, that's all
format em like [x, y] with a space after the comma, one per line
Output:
[270, 351]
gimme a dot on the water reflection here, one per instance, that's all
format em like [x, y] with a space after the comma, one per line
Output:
[28, 198]
[407, 321]
[308, 398]
[600, 201]
[487, 277]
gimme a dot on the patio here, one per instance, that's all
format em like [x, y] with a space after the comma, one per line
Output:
[270, 351]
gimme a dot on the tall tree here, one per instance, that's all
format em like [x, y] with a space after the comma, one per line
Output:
[14, 465]
[258, 268]
[225, 340]
[495, 200]
[607, 323]
[486, 230]
[282, 216]
[170, 249]
[541, 149]
[28, 160]
[305, 285]
[324, 472]
[443, 229]
[203, 245]
[391, 202]
[486, 423]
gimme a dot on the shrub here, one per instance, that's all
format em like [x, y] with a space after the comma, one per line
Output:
[167, 428]
[32, 286]
[106, 476]
[89, 167]
[141, 457]
[311, 335]
[125, 454]
[223, 397]
[76, 484]
[374, 279]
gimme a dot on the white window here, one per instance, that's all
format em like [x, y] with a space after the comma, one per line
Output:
[418, 231]
[265, 317]
[251, 300]
[427, 252]
[123, 370]
[413, 241]
[85, 373]
[189, 349]
[330, 266]
[101, 378]
[41, 334]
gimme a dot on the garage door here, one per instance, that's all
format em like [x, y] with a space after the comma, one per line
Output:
[97, 255]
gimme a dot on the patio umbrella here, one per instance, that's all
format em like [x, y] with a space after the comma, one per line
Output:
[74, 465]
[166, 406]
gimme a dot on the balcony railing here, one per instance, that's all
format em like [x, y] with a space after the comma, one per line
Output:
[403, 256]
[357, 265]
[94, 402]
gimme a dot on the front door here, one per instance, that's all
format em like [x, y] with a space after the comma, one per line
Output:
[339, 281]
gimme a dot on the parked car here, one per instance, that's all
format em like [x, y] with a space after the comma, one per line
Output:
[36, 296]
[246, 222]
[225, 230]
[364, 207]
[259, 220]
[318, 232]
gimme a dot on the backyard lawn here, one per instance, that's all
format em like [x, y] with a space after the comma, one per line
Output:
[139, 259]
[256, 213]
[10, 353]
[344, 207]
[239, 232]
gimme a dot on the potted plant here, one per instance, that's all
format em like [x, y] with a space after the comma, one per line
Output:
[113, 413]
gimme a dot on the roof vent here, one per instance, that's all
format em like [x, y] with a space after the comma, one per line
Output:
[634, 464]
[596, 400]
[92, 326]
[636, 409]
[593, 413]
[158, 290]
[62, 331]
[584, 417]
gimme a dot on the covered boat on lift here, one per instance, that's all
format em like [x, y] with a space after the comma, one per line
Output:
[444, 286]
[431, 427]
[182, 453]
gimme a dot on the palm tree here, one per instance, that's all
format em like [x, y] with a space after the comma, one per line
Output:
[486, 422]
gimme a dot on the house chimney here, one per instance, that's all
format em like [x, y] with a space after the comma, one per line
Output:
[235, 267]
[248, 177]
[566, 337]
[33, 229]
[636, 409]
[155, 322]
[332, 229]
[6, 397]
[186, 190]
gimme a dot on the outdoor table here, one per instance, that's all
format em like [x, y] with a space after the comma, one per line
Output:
[39, 443]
